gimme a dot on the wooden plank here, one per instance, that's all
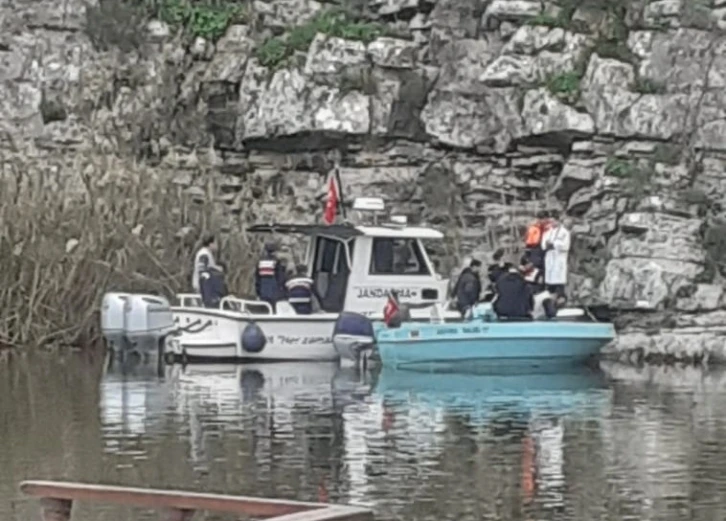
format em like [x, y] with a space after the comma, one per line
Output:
[331, 513]
[172, 499]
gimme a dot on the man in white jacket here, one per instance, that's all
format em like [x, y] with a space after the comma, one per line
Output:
[204, 259]
[556, 243]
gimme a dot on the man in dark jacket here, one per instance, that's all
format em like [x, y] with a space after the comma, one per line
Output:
[270, 277]
[514, 300]
[212, 285]
[468, 287]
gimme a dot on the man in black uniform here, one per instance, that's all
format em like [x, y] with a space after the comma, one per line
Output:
[212, 285]
[468, 287]
[514, 299]
[270, 276]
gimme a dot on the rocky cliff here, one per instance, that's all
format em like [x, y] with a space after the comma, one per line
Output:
[470, 115]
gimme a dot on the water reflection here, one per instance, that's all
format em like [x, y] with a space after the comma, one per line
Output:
[621, 443]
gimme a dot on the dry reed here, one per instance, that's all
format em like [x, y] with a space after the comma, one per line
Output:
[104, 224]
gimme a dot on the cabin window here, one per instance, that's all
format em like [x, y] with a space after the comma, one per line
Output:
[330, 256]
[330, 273]
[398, 257]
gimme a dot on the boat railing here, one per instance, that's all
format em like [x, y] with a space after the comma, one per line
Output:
[189, 300]
[57, 498]
[255, 307]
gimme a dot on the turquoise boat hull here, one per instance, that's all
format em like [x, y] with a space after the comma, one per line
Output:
[500, 343]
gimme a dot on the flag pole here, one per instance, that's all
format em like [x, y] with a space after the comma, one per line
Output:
[340, 192]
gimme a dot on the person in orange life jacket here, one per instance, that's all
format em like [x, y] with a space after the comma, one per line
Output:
[212, 285]
[300, 291]
[514, 299]
[270, 276]
[468, 288]
[534, 247]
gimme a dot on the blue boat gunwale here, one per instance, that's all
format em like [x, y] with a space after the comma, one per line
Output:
[493, 331]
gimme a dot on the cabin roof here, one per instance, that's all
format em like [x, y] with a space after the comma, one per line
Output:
[346, 231]
[412, 232]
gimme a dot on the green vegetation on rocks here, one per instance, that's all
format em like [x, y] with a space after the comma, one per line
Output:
[275, 51]
[122, 23]
[637, 179]
[206, 18]
[565, 85]
[647, 86]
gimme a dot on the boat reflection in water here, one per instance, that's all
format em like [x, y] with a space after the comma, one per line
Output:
[358, 434]
[131, 398]
[424, 415]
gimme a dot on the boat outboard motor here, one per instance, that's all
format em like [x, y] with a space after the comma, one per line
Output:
[352, 336]
[253, 338]
[353, 324]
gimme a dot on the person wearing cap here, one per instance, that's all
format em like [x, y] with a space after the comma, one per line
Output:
[270, 276]
[468, 287]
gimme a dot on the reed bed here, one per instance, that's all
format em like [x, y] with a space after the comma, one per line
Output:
[100, 224]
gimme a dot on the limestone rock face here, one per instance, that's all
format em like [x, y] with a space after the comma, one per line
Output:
[471, 116]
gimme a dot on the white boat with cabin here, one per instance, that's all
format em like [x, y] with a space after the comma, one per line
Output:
[353, 267]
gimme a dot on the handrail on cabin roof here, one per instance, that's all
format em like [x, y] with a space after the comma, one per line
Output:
[57, 499]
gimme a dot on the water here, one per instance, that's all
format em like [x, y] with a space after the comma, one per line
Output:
[619, 444]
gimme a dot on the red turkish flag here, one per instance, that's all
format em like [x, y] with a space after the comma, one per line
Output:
[390, 309]
[331, 203]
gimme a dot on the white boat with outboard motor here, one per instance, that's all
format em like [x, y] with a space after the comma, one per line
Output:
[353, 267]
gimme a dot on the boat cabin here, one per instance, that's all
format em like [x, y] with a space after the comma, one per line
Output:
[353, 267]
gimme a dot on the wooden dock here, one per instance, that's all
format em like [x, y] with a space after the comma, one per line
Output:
[57, 498]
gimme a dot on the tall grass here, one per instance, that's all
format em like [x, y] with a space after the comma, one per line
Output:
[99, 224]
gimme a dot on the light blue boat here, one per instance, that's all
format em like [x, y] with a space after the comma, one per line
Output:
[502, 344]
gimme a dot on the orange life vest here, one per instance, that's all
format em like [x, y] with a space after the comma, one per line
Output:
[534, 235]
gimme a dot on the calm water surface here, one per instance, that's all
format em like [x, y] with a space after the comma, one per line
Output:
[618, 443]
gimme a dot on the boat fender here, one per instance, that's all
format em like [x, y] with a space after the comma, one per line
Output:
[349, 323]
[253, 338]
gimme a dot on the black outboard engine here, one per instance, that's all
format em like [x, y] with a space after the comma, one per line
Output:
[353, 324]
[352, 335]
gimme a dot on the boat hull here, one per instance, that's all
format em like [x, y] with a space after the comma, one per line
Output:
[500, 343]
[288, 339]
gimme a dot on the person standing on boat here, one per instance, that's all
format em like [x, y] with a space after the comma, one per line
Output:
[454, 275]
[468, 287]
[212, 285]
[300, 291]
[204, 259]
[534, 243]
[557, 248]
[270, 276]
